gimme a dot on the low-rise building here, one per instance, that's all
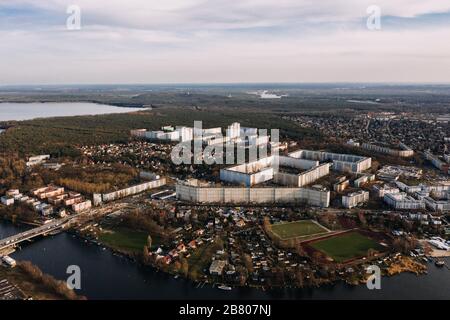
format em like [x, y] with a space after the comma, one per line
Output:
[47, 192]
[81, 206]
[217, 267]
[341, 186]
[354, 199]
[12, 192]
[32, 161]
[7, 201]
[365, 178]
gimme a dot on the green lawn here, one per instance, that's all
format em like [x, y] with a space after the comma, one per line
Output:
[124, 239]
[347, 246]
[297, 229]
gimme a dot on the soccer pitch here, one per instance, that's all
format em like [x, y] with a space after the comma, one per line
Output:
[347, 246]
[297, 229]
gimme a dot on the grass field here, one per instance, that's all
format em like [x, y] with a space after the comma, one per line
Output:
[345, 247]
[297, 229]
[124, 239]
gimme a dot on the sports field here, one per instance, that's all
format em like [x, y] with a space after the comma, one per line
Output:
[297, 229]
[347, 246]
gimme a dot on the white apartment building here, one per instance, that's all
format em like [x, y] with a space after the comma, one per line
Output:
[381, 191]
[402, 201]
[354, 199]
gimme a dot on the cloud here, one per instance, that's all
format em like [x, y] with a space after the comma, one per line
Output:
[222, 41]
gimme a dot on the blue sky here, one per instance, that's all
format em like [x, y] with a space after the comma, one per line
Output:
[174, 41]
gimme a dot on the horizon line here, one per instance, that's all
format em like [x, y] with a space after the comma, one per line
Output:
[394, 83]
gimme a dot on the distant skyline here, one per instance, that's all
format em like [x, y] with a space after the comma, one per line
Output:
[220, 41]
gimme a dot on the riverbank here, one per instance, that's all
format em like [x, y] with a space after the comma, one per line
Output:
[354, 276]
[49, 109]
[36, 285]
[109, 275]
[406, 264]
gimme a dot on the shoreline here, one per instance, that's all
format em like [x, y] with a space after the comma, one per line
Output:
[122, 105]
[32, 283]
[418, 271]
[210, 287]
[137, 107]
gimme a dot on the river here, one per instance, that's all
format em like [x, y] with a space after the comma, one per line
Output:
[105, 275]
[27, 111]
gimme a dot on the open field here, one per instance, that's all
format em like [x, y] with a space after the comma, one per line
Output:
[346, 246]
[297, 229]
[124, 239]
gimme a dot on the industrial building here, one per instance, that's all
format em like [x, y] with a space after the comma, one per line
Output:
[354, 199]
[200, 192]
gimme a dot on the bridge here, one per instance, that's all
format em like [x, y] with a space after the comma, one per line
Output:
[14, 240]
[55, 225]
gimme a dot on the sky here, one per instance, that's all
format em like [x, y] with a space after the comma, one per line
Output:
[224, 41]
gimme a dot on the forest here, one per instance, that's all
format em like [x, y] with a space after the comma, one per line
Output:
[60, 136]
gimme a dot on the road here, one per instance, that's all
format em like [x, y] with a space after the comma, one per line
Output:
[29, 234]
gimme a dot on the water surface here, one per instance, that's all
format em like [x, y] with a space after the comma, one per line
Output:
[27, 111]
[108, 276]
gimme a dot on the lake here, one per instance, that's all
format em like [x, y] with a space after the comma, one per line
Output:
[105, 275]
[28, 111]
